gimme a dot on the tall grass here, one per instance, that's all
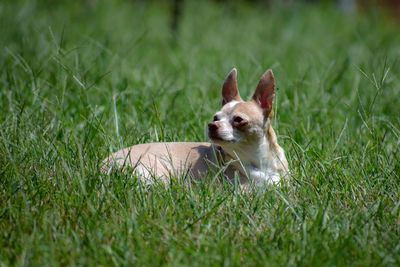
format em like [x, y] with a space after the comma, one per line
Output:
[79, 80]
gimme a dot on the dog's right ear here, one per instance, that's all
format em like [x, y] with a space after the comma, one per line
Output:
[230, 90]
[265, 93]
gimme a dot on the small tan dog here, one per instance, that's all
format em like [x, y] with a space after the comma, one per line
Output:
[244, 142]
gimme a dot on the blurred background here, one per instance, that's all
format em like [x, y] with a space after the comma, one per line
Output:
[148, 61]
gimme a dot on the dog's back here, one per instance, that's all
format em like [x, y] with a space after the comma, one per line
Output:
[165, 160]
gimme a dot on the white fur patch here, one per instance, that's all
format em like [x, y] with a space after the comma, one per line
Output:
[265, 176]
[231, 104]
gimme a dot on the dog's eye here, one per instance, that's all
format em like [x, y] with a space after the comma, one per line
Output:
[215, 118]
[239, 122]
[238, 119]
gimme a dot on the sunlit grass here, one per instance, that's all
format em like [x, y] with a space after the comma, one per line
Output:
[79, 81]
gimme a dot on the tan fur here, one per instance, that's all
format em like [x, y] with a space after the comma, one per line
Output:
[165, 159]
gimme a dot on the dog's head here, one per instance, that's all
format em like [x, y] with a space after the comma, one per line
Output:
[240, 122]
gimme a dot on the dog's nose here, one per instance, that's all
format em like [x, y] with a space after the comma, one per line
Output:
[213, 126]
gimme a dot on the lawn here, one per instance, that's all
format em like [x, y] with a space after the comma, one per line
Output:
[81, 79]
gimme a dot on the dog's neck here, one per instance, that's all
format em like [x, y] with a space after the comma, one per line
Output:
[252, 153]
[255, 159]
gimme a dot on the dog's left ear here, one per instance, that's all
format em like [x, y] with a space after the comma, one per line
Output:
[265, 93]
[230, 90]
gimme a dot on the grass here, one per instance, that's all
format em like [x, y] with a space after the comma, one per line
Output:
[82, 79]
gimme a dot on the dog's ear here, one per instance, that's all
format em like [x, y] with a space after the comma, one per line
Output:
[265, 93]
[230, 89]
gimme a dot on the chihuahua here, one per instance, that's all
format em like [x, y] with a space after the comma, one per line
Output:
[244, 145]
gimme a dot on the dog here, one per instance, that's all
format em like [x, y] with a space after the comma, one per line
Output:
[244, 145]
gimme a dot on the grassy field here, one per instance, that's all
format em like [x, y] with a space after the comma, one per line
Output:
[81, 79]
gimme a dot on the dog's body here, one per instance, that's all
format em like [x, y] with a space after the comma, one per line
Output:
[244, 142]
